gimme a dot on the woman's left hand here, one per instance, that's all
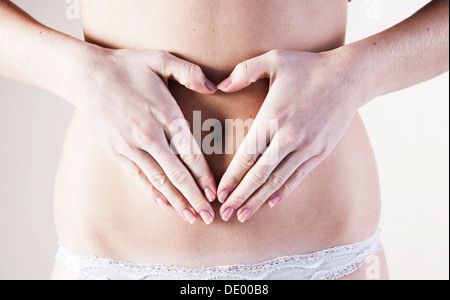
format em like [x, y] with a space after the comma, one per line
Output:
[310, 105]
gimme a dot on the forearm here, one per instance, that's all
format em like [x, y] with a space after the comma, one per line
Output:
[409, 53]
[37, 55]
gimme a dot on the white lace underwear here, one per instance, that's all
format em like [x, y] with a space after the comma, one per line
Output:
[329, 264]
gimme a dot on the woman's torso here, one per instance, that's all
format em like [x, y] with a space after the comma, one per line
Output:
[100, 211]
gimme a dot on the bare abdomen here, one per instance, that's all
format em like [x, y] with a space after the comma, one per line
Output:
[100, 211]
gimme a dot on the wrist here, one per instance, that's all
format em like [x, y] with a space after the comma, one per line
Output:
[352, 74]
[78, 62]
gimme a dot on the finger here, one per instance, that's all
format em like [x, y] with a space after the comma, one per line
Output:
[188, 74]
[254, 179]
[185, 145]
[295, 180]
[282, 174]
[139, 177]
[159, 180]
[156, 144]
[298, 176]
[254, 144]
[249, 72]
[181, 178]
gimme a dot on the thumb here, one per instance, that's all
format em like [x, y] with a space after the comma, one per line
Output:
[188, 74]
[249, 72]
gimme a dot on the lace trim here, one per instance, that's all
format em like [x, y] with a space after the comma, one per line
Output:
[344, 260]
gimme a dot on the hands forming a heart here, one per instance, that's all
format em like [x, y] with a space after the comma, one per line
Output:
[310, 97]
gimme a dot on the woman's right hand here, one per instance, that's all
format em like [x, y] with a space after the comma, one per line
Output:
[124, 97]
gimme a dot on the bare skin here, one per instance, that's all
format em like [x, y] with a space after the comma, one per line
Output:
[211, 45]
[99, 208]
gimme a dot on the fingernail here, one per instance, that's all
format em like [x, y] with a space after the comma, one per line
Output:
[225, 84]
[210, 86]
[209, 194]
[226, 216]
[189, 216]
[224, 195]
[275, 200]
[160, 201]
[206, 217]
[245, 215]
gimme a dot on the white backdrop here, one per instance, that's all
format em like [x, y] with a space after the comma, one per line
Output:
[409, 131]
[410, 135]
